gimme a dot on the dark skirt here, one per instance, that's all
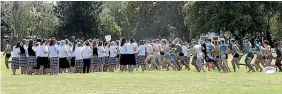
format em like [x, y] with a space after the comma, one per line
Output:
[42, 61]
[8, 56]
[15, 63]
[72, 61]
[123, 60]
[94, 60]
[130, 59]
[64, 63]
[107, 61]
[186, 59]
[23, 60]
[32, 61]
[101, 60]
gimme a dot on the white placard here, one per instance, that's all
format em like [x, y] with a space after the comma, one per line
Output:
[108, 37]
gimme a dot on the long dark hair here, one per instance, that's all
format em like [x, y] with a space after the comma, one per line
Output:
[42, 42]
[52, 42]
[132, 40]
[30, 43]
[18, 44]
[123, 41]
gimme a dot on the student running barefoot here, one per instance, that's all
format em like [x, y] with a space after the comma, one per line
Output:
[78, 58]
[31, 57]
[259, 58]
[42, 56]
[63, 55]
[186, 53]
[224, 55]
[278, 51]
[123, 55]
[113, 52]
[101, 55]
[249, 56]
[197, 51]
[167, 57]
[15, 58]
[54, 59]
[86, 54]
[23, 57]
[95, 59]
[149, 61]
[7, 52]
[268, 52]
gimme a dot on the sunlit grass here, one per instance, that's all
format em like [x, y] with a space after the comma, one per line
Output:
[149, 82]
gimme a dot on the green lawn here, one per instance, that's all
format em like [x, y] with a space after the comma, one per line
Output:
[153, 82]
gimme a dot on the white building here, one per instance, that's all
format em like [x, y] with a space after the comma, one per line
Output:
[211, 36]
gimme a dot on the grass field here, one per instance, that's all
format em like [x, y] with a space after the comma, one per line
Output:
[152, 82]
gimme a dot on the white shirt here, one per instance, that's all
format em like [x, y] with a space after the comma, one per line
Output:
[149, 48]
[41, 51]
[113, 51]
[53, 51]
[142, 50]
[130, 48]
[86, 52]
[69, 48]
[62, 51]
[136, 45]
[107, 49]
[197, 49]
[185, 50]
[16, 52]
[77, 53]
[101, 51]
[122, 49]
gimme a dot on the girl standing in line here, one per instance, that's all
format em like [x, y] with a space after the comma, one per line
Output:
[107, 55]
[86, 54]
[71, 58]
[54, 59]
[31, 57]
[78, 58]
[15, 58]
[23, 58]
[123, 55]
[142, 55]
[113, 52]
[42, 56]
[95, 59]
[101, 55]
[63, 54]
[130, 49]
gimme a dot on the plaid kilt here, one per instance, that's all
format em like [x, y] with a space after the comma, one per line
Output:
[15, 63]
[54, 61]
[186, 59]
[32, 61]
[141, 60]
[79, 63]
[23, 60]
[101, 60]
[94, 60]
[136, 58]
[107, 61]
[112, 61]
[117, 58]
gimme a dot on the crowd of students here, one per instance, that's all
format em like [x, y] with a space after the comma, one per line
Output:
[53, 57]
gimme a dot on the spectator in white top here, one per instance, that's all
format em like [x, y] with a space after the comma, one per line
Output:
[63, 54]
[15, 58]
[42, 57]
[101, 56]
[123, 55]
[112, 60]
[130, 49]
[54, 59]
[86, 54]
[78, 58]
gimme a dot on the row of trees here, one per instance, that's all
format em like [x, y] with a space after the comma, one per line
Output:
[142, 20]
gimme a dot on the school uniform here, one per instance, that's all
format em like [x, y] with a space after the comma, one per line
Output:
[32, 61]
[101, 55]
[42, 57]
[23, 60]
[71, 55]
[63, 62]
[95, 59]
[54, 59]
[107, 55]
[141, 55]
[130, 54]
[15, 58]
[86, 54]
[112, 60]
[78, 57]
[123, 55]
